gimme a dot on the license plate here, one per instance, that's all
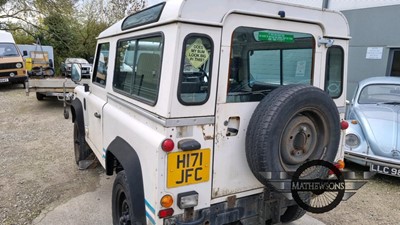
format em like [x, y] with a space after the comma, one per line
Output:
[385, 170]
[188, 167]
[3, 80]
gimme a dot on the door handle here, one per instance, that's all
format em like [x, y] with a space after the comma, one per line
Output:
[97, 115]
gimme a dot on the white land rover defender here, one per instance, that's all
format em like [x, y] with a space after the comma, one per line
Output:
[192, 103]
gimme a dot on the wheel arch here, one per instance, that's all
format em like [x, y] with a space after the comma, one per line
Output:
[76, 110]
[121, 156]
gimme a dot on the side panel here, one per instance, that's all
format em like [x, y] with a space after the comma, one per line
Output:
[142, 135]
[341, 101]
[179, 110]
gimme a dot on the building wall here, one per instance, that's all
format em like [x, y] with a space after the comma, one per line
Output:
[371, 27]
[343, 4]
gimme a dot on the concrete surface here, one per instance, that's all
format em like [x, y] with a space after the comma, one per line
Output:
[95, 208]
[89, 208]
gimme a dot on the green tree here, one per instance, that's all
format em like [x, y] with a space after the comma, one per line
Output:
[59, 33]
[70, 26]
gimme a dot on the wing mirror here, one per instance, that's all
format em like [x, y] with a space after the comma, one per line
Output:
[76, 75]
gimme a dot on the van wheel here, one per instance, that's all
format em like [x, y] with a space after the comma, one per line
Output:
[122, 211]
[39, 96]
[81, 148]
[290, 126]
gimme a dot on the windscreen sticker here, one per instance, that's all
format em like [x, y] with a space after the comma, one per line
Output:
[197, 54]
[275, 37]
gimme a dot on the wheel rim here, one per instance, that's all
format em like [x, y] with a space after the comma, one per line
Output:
[77, 143]
[123, 209]
[304, 138]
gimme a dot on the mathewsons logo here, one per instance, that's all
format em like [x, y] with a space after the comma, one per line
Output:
[318, 186]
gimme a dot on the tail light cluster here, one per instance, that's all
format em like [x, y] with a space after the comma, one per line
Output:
[339, 164]
[167, 145]
[185, 200]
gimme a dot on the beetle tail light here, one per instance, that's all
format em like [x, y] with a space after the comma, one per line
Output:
[344, 125]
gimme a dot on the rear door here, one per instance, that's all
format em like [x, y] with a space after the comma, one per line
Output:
[257, 55]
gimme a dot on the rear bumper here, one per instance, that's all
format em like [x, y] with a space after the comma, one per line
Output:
[13, 80]
[245, 210]
[367, 160]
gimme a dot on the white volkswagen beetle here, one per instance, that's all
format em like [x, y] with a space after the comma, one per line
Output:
[373, 136]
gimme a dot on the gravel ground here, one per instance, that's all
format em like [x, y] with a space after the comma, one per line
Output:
[37, 168]
[377, 202]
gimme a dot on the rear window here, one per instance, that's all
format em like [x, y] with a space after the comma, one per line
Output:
[334, 71]
[195, 75]
[262, 60]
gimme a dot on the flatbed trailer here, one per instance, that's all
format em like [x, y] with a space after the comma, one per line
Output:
[51, 87]
[60, 87]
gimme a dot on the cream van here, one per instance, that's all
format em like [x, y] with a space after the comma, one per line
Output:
[12, 68]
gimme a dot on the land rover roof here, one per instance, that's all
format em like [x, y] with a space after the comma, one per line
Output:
[333, 23]
[6, 37]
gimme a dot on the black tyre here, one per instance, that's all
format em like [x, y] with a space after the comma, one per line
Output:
[39, 96]
[290, 126]
[81, 148]
[48, 71]
[122, 210]
[66, 114]
[36, 71]
[292, 213]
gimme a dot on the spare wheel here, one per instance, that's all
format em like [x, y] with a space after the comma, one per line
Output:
[291, 125]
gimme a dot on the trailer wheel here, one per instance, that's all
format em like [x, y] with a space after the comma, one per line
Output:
[66, 114]
[39, 96]
[81, 148]
[122, 210]
[290, 126]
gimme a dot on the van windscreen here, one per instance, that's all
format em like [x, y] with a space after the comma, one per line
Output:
[8, 50]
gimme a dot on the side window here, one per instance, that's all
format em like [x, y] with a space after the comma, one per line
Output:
[195, 73]
[101, 64]
[262, 60]
[334, 71]
[138, 68]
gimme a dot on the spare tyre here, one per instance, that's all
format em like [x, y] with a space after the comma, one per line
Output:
[290, 126]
